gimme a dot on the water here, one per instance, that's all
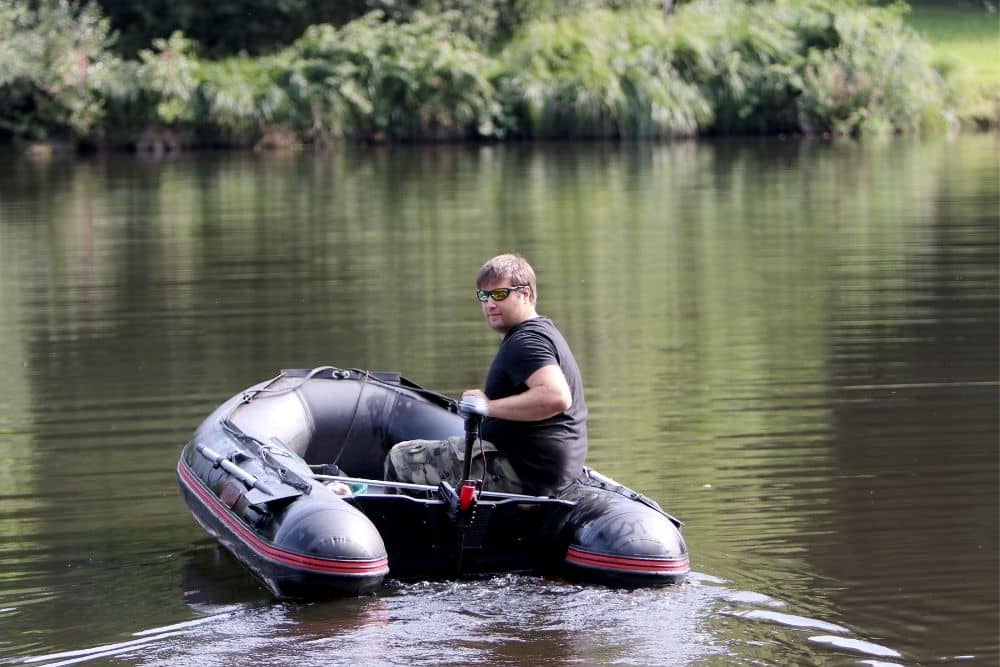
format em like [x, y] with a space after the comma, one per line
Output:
[792, 345]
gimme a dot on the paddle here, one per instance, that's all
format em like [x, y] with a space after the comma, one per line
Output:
[220, 461]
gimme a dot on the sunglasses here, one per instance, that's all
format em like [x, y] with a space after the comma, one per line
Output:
[498, 294]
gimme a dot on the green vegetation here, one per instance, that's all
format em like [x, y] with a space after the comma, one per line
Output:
[56, 70]
[965, 41]
[379, 79]
[478, 71]
[600, 74]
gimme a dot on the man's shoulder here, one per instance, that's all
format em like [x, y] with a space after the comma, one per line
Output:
[538, 328]
[538, 325]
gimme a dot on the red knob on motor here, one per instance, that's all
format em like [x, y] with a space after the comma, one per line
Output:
[466, 496]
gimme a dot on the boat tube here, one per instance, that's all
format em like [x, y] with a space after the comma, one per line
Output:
[288, 476]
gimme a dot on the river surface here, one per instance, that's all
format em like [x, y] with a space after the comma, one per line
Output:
[792, 345]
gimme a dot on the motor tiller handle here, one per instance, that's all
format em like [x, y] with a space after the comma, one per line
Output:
[473, 408]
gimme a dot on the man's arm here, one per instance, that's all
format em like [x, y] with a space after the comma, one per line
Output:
[548, 394]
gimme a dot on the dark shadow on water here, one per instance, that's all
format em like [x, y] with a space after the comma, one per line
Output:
[212, 577]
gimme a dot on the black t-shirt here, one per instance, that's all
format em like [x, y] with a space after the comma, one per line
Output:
[547, 454]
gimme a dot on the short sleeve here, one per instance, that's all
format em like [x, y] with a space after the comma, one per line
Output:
[531, 351]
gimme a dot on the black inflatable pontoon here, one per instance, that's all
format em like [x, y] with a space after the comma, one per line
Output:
[255, 475]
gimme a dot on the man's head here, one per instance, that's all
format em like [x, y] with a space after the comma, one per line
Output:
[510, 268]
[506, 289]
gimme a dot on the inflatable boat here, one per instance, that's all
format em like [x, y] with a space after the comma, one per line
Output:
[288, 476]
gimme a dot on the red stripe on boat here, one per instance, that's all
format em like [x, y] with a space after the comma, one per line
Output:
[578, 556]
[270, 552]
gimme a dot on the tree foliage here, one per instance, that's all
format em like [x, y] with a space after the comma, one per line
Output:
[257, 27]
[56, 69]
[223, 27]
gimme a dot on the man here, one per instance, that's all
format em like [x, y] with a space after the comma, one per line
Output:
[535, 431]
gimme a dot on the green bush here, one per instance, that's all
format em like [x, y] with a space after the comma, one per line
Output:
[491, 24]
[226, 102]
[877, 79]
[599, 74]
[383, 80]
[56, 70]
[170, 77]
[722, 66]
[572, 69]
[809, 66]
[745, 60]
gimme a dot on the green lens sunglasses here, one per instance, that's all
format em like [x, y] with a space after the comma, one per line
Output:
[498, 294]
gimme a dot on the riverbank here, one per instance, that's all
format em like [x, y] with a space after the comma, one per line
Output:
[710, 67]
[965, 42]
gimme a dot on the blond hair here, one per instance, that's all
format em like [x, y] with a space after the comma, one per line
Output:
[511, 266]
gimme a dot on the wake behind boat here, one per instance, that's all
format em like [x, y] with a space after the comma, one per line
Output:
[264, 474]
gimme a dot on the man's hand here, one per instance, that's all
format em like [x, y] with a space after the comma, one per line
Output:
[474, 402]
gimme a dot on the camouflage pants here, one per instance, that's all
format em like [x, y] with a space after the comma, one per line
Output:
[430, 461]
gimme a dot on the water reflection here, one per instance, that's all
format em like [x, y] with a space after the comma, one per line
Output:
[792, 345]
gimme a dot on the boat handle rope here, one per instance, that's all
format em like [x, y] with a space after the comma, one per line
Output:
[253, 393]
[342, 374]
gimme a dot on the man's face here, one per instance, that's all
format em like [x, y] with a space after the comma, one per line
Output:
[503, 315]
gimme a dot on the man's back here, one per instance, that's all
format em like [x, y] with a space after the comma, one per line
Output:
[547, 454]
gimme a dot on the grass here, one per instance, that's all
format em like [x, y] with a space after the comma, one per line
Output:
[965, 38]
